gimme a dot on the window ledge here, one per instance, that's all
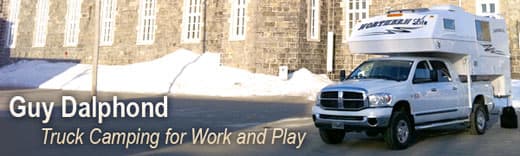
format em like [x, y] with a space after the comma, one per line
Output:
[70, 46]
[313, 40]
[143, 43]
[190, 42]
[237, 39]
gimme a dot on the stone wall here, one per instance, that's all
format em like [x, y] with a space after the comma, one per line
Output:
[276, 33]
[240, 53]
[281, 37]
[124, 49]
[214, 26]
[277, 36]
[511, 12]
[344, 60]
[4, 52]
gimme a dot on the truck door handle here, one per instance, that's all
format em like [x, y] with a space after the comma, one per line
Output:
[434, 89]
[455, 88]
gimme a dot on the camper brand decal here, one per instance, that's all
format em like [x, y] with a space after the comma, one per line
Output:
[395, 30]
[499, 30]
[412, 21]
[491, 49]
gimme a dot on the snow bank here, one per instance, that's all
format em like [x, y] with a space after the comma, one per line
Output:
[185, 71]
[146, 77]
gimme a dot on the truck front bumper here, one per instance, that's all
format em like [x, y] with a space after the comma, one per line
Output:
[369, 118]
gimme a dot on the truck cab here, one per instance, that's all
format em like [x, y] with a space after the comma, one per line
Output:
[435, 70]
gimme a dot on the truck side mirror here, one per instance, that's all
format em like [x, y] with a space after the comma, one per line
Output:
[342, 75]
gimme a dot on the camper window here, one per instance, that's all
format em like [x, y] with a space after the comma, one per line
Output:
[482, 28]
[449, 24]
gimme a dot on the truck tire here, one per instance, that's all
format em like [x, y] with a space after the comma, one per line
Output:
[478, 121]
[400, 131]
[332, 136]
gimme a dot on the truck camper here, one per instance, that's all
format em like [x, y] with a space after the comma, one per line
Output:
[440, 66]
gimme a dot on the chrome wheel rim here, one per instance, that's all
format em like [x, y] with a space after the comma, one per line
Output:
[481, 120]
[402, 131]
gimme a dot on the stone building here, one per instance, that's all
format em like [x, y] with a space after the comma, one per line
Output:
[257, 35]
[4, 56]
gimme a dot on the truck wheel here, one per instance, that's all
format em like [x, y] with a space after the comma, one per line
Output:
[478, 121]
[332, 136]
[399, 133]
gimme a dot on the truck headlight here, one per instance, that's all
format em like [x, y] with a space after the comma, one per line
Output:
[379, 100]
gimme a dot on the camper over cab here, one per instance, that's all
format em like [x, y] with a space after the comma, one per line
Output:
[446, 31]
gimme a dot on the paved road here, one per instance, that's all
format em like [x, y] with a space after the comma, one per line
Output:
[22, 136]
[445, 141]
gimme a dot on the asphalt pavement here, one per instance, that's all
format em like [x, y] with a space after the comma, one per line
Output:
[252, 114]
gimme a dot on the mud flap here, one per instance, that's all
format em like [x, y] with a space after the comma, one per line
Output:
[508, 119]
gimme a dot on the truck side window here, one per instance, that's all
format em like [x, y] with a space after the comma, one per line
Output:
[442, 72]
[423, 73]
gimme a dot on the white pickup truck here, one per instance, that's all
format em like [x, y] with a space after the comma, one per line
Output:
[421, 81]
[397, 95]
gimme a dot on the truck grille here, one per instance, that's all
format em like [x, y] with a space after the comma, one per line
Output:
[342, 100]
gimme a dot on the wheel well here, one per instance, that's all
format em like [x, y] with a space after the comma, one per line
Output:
[479, 100]
[403, 106]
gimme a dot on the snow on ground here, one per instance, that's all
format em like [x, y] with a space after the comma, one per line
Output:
[181, 72]
[28, 74]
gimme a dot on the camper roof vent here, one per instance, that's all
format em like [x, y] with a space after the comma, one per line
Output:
[494, 16]
[451, 8]
[408, 10]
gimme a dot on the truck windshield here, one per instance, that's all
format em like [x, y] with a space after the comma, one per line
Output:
[397, 70]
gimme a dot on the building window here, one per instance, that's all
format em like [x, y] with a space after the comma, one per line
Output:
[487, 7]
[314, 20]
[108, 21]
[12, 24]
[72, 20]
[238, 20]
[146, 30]
[192, 21]
[354, 11]
[41, 20]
